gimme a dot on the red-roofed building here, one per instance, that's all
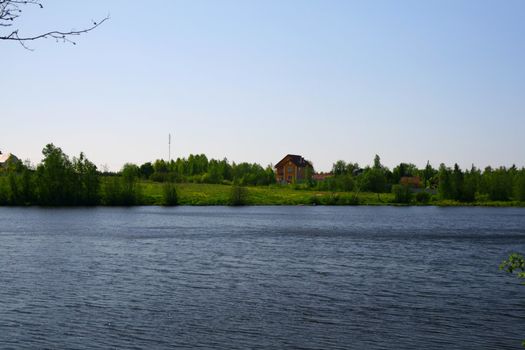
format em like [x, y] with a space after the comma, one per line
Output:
[321, 176]
[411, 181]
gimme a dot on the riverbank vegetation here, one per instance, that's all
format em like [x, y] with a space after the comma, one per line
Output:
[63, 181]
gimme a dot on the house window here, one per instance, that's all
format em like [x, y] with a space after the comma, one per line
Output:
[290, 169]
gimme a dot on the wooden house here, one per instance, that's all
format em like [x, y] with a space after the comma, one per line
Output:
[292, 168]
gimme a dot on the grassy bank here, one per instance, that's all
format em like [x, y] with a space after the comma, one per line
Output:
[207, 194]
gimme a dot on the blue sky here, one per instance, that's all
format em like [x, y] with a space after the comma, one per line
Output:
[411, 81]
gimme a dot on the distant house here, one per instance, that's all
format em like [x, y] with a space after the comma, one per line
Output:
[6, 158]
[411, 181]
[292, 168]
[321, 176]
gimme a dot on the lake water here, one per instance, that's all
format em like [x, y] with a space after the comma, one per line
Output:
[260, 278]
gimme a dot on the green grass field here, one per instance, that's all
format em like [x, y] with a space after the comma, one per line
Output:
[208, 194]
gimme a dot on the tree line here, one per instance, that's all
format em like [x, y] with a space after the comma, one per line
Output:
[408, 182]
[63, 181]
[199, 169]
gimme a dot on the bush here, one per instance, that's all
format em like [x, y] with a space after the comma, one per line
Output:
[112, 193]
[314, 200]
[301, 186]
[117, 190]
[238, 195]
[158, 177]
[423, 197]
[354, 200]
[331, 199]
[170, 196]
[402, 194]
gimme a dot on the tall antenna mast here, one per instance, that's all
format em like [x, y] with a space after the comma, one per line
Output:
[169, 148]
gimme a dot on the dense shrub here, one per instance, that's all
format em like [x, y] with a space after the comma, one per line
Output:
[314, 200]
[423, 197]
[238, 195]
[170, 195]
[402, 194]
[330, 199]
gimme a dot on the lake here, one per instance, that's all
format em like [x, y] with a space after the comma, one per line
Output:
[260, 278]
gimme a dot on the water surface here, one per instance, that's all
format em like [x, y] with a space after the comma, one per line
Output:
[260, 278]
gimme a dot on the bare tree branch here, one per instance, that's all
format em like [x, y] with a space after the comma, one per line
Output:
[10, 10]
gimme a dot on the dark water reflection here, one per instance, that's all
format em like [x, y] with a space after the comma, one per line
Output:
[260, 277]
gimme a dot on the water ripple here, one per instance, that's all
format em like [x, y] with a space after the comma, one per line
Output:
[260, 278]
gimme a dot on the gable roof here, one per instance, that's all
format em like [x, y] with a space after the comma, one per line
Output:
[296, 159]
[4, 157]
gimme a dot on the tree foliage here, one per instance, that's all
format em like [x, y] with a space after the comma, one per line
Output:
[402, 194]
[238, 195]
[515, 264]
[63, 181]
[199, 169]
[170, 195]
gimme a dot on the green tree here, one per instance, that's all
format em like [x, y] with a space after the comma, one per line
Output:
[21, 187]
[377, 162]
[345, 183]
[519, 188]
[339, 168]
[112, 191]
[375, 180]
[469, 186]
[457, 182]
[403, 170]
[375, 177]
[4, 191]
[88, 182]
[427, 174]
[130, 186]
[214, 174]
[226, 170]
[146, 170]
[55, 178]
[498, 184]
[160, 166]
[270, 175]
[446, 187]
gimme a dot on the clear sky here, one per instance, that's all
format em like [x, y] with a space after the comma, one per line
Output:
[412, 81]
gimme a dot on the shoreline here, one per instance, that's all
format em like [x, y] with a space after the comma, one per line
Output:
[193, 194]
